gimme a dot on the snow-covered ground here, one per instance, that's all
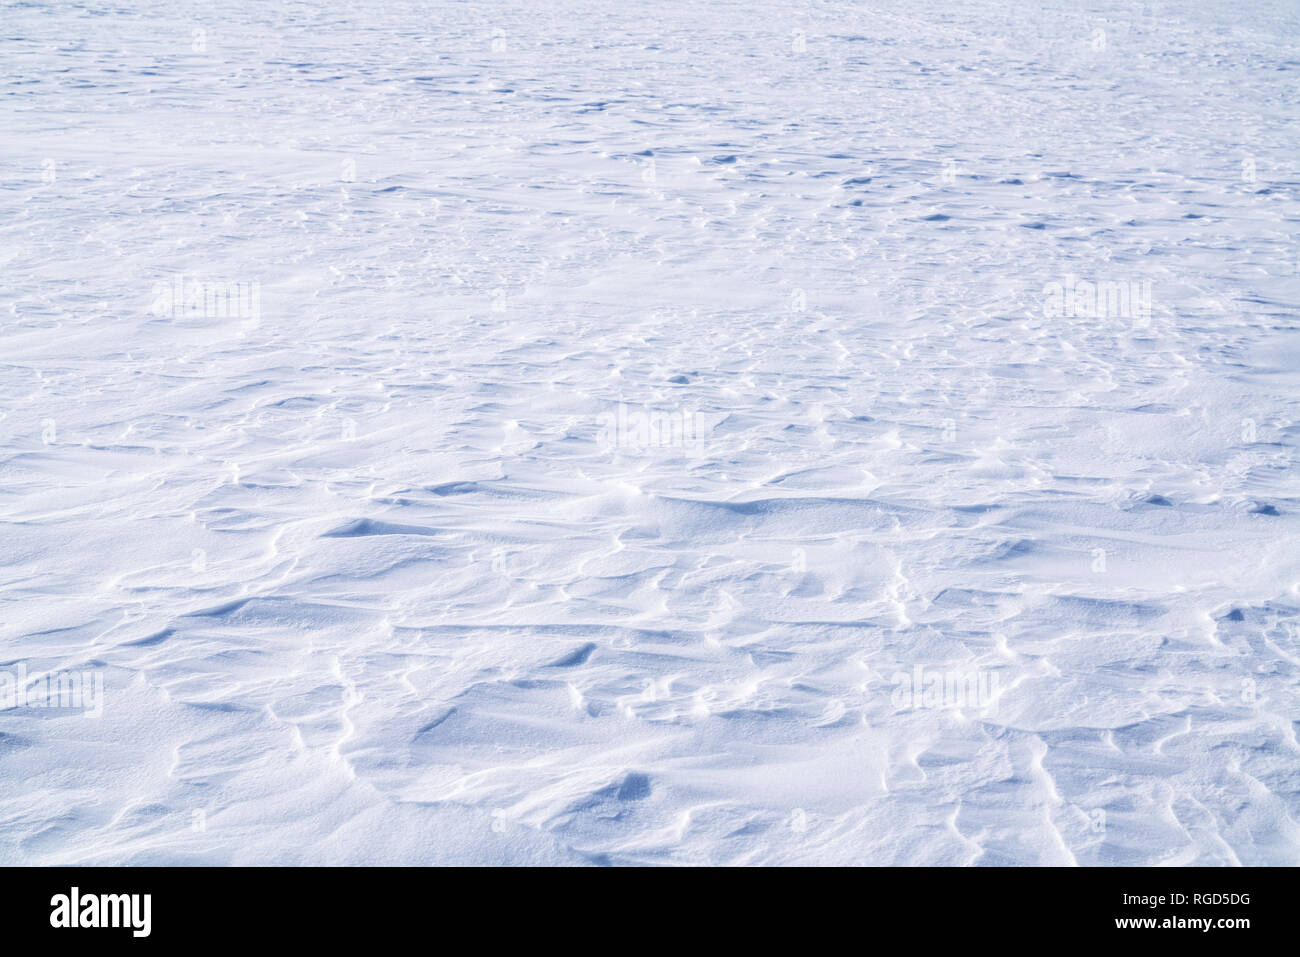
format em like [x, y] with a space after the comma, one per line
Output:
[650, 432]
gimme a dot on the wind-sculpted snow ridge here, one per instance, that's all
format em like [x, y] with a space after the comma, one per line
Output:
[674, 432]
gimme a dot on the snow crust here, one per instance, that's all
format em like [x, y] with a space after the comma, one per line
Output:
[637, 433]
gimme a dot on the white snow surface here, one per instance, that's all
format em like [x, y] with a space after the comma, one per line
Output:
[391, 569]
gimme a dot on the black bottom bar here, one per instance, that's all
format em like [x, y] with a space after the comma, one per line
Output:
[372, 906]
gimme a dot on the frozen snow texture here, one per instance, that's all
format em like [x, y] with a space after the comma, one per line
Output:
[564, 432]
